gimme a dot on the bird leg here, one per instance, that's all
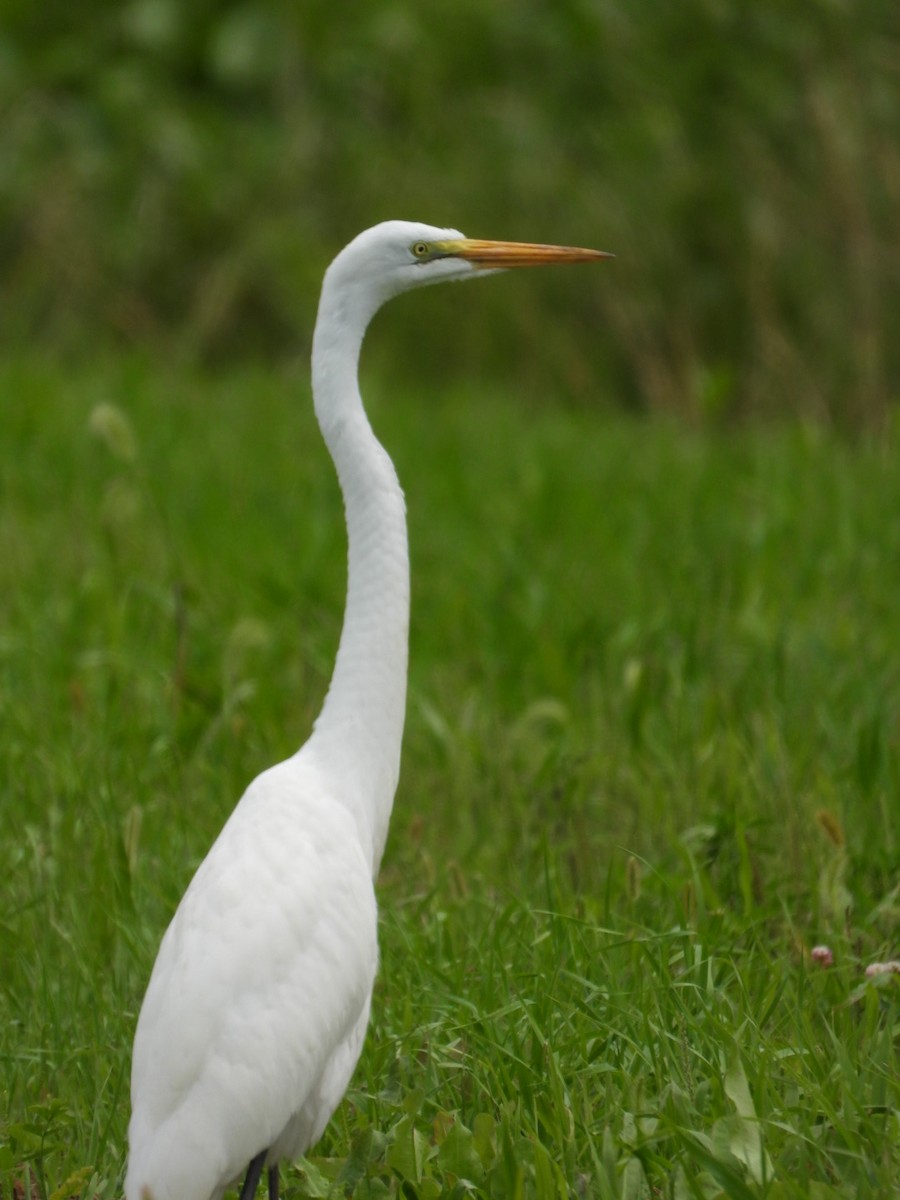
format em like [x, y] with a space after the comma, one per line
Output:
[273, 1181]
[253, 1173]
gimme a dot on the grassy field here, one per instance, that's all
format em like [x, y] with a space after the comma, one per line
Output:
[651, 762]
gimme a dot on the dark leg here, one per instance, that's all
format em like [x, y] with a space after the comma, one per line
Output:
[253, 1173]
[273, 1181]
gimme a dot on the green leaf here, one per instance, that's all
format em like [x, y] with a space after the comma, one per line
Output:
[73, 1185]
[549, 1180]
[484, 1138]
[315, 1185]
[371, 1189]
[365, 1147]
[745, 1133]
[407, 1151]
[634, 1181]
[458, 1156]
[717, 1165]
[737, 1089]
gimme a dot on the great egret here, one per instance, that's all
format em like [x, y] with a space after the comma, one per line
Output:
[258, 1002]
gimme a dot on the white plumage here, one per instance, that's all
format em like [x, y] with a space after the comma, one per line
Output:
[259, 999]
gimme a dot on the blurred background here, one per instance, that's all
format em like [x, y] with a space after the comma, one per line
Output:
[175, 177]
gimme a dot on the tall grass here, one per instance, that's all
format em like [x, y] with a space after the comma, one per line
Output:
[651, 761]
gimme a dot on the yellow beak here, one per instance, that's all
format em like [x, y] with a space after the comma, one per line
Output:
[516, 254]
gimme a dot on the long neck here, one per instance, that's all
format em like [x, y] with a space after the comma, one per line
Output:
[359, 731]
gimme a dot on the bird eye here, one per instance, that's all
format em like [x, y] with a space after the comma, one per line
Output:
[421, 250]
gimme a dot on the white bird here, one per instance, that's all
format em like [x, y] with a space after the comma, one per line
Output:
[258, 1002]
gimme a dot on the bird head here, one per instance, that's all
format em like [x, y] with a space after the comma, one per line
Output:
[399, 255]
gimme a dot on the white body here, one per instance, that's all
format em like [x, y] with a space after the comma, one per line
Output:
[258, 1003]
[257, 1006]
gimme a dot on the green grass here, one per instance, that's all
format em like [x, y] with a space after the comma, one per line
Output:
[651, 760]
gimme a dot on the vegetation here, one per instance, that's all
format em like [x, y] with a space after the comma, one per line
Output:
[652, 761]
[177, 176]
[646, 845]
